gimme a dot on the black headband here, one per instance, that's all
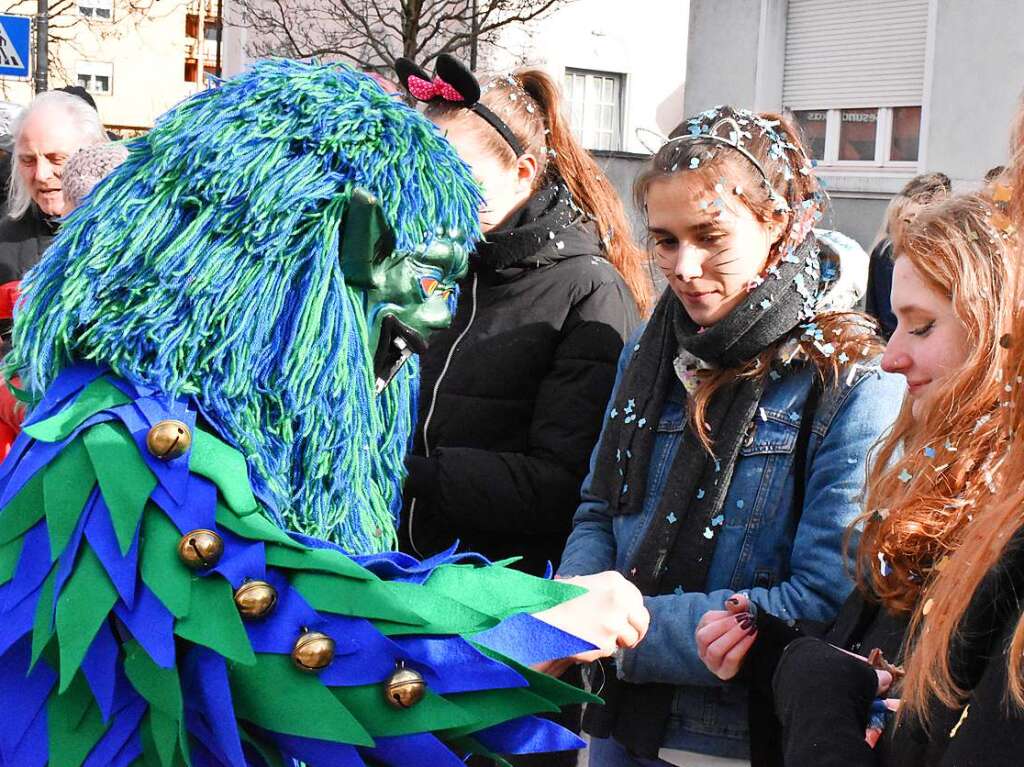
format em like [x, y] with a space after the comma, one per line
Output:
[454, 84]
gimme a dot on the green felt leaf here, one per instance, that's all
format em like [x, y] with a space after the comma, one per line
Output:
[275, 695]
[82, 606]
[42, 624]
[362, 599]
[162, 571]
[161, 687]
[557, 692]
[213, 620]
[23, 510]
[500, 591]
[442, 615]
[269, 753]
[10, 553]
[470, 745]
[322, 560]
[97, 396]
[67, 482]
[491, 707]
[225, 466]
[74, 723]
[383, 720]
[125, 480]
[255, 526]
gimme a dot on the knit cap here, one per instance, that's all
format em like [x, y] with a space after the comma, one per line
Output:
[86, 167]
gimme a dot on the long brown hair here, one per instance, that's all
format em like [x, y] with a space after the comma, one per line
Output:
[940, 613]
[847, 335]
[530, 104]
[933, 470]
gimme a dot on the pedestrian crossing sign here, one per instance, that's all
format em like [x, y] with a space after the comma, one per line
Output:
[14, 45]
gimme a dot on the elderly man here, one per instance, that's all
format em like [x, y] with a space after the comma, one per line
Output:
[53, 127]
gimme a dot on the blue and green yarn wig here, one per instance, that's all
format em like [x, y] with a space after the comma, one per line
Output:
[207, 266]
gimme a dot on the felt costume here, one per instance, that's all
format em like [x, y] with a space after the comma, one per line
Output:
[195, 523]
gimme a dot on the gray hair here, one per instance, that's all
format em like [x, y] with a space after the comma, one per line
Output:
[85, 119]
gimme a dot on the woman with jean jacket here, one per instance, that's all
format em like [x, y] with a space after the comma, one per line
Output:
[734, 446]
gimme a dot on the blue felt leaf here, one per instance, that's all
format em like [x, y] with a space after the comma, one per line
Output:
[528, 640]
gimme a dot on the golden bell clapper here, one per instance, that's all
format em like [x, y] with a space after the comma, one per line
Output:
[405, 687]
[169, 439]
[313, 652]
[200, 549]
[255, 599]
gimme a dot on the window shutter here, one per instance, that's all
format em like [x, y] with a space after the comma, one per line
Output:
[854, 53]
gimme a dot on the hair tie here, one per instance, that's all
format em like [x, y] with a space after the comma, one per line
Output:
[454, 84]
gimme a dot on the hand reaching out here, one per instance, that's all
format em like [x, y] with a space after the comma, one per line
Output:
[610, 615]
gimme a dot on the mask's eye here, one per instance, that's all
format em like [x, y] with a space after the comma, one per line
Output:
[428, 285]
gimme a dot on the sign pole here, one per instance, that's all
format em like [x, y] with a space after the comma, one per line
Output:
[42, 52]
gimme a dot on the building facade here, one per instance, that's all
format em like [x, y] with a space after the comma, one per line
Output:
[882, 89]
[136, 59]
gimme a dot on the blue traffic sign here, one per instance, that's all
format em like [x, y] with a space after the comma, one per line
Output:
[14, 45]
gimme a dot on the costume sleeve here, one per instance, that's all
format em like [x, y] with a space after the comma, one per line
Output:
[537, 491]
[126, 636]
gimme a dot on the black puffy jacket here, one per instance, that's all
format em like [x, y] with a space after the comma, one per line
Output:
[513, 393]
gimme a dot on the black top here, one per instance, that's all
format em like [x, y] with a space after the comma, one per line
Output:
[877, 301]
[513, 393]
[22, 242]
[822, 696]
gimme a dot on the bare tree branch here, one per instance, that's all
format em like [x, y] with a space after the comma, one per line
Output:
[371, 34]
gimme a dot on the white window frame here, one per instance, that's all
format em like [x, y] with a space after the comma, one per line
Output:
[618, 132]
[92, 6]
[92, 70]
[883, 143]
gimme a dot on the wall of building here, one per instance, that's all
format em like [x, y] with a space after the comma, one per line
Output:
[977, 74]
[146, 49]
[973, 81]
[647, 45]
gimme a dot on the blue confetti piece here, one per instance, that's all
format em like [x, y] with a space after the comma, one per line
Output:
[740, 503]
[629, 419]
[678, 591]
[700, 493]
[709, 533]
[929, 451]
[766, 304]
[883, 566]
[625, 488]
[694, 162]
[774, 375]
[641, 423]
[717, 521]
[672, 518]
[613, 414]
[905, 476]
[794, 416]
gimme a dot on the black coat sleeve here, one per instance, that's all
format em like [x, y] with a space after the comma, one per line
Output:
[823, 698]
[536, 492]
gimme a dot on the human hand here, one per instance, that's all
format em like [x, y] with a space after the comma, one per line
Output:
[725, 636]
[610, 615]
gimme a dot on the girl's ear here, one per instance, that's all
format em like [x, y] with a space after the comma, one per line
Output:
[526, 170]
[777, 227]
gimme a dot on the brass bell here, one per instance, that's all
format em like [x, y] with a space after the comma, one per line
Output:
[255, 599]
[405, 687]
[169, 439]
[200, 549]
[313, 652]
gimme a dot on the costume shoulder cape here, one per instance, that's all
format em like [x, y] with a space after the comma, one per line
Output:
[114, 652]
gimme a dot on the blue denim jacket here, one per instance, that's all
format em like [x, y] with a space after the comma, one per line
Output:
[790, 570]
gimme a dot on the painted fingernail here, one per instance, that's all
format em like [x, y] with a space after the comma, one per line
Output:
[751, 631]
[732, 601]
[746, 623]
[740, 617]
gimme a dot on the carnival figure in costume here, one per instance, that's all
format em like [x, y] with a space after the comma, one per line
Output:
[195, 524]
